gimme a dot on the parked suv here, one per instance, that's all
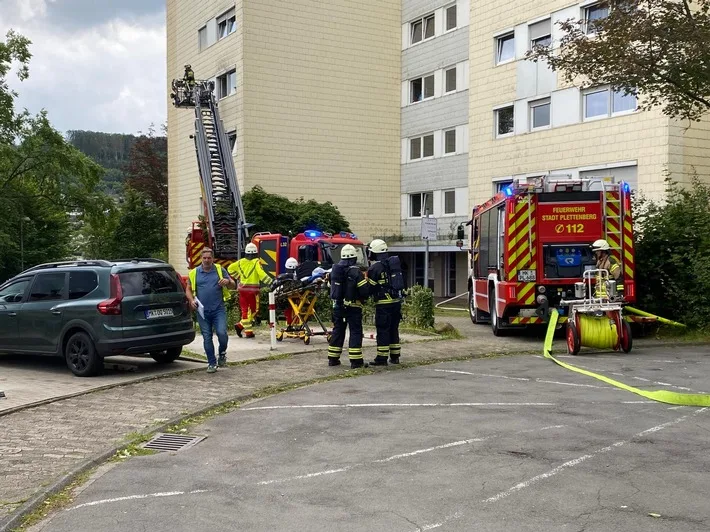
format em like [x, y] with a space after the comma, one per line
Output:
[85, 311]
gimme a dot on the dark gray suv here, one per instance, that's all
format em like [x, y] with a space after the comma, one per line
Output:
[85, 311]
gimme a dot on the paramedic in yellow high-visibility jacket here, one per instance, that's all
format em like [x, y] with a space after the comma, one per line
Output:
[249, 275]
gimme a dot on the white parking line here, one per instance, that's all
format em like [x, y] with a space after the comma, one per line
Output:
[520, 378]
[134, 497]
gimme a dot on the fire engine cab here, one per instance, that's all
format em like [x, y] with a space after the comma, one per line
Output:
[531, 243]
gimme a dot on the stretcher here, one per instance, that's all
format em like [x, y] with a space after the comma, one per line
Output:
[300, 297]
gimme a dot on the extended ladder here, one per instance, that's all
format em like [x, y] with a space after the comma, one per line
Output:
[223, 201]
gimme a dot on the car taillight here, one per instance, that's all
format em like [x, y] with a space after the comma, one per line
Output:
[112, 305]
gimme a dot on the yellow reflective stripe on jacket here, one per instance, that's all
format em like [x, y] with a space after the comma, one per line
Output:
[192, 276]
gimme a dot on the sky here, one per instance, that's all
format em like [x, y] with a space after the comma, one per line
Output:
[96, 65]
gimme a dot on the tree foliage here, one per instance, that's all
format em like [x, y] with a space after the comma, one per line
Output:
[277, 214]
[42, 177]
[673, 254]
[147, 169]
[657, 49]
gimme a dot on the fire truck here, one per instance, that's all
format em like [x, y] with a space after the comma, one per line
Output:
[531, 243]
[223, 226]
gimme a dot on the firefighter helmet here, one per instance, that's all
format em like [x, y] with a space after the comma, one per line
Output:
[378, 246]
[251, 249]
[188, 67]
[291, 263]
[348, 252]
[600, 245]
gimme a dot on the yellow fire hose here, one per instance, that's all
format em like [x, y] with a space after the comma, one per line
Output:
[662, 396]
[597, 332]
[647, 315]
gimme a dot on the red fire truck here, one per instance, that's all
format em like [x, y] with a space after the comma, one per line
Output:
[531, 243]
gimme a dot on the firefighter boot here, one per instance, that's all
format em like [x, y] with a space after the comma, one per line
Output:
[332, 361]
[249, 334]
[239, 328]
[394, 353]
[334, 353]
[356, 363]
[382, 355]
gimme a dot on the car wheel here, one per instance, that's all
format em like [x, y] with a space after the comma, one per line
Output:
[167, 356]
[81, 356]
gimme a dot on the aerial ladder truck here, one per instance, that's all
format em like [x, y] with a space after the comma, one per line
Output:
[224, 228]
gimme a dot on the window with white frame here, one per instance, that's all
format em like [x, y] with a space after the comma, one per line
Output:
[422, 29]
[232, 136]
[603, 102]
[450, 17]
[421, 204]
[505, 48]
[500, 184]
[450, 141]
[449, 201]
[592, 14]
[202, 38]
[505, 121]
[540, 114]
[450, 80]
[421, 88]
[227, 84]
[421, 147]
[226, 24]
[540, 34]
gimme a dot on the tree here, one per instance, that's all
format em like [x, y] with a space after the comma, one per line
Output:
[147, 168]
[657, 49]
[277, 214]
[42, 177]
[140, 228]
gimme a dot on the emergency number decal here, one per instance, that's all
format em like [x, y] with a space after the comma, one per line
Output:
[578, 221]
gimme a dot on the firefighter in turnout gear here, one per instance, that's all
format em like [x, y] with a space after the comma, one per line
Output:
[249, 274]
[386, 286]
[348, 290]
[189, 77]
[605, 261]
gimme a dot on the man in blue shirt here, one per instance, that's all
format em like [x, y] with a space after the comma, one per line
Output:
[208, 283]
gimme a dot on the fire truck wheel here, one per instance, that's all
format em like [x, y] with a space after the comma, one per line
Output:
[627, 341]
[573, 340]
[495, 321]
[477, 316]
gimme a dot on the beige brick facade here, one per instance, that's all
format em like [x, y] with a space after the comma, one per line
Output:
[657, 144]
[316, 111]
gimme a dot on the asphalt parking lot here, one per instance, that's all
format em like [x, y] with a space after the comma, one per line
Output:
[510, 443]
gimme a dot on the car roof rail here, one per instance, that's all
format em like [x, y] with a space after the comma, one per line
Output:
[141, 259]
[66, 263]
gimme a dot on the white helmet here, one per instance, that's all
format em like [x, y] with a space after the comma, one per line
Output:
[378, 246]
[600, 245]
[251, 249]
[348, 252]
[291, 263]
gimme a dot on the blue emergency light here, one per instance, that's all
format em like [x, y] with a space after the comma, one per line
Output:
[627, 187]
[508, 191]
[312, 233]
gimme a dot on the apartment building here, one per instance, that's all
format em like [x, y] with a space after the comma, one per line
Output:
[310, 95]
[525, 121]
[435, 145]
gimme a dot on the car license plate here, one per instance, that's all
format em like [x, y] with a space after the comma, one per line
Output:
[159, 313]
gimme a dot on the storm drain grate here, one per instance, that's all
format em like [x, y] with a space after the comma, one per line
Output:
[172, 442]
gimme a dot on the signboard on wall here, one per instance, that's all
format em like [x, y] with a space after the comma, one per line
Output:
[570, 222]
[429, 228]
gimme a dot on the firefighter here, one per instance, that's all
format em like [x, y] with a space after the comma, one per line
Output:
[290, 275]
[249, 274]
[189, 77]
[605, 261]
[386, 285]
[348, 290]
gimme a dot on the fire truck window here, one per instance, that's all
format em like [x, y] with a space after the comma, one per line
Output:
[484, 228]
[307, 253]
[501, 235]
[493, 239]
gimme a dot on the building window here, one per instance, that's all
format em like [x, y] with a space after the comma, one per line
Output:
[505, 121]
[421, 204]
[450, 141]
[593, 14]
[601, 103]
[227, 84]
[449, 202]
[450, 80]
[422, 29]
[451, 17]
[505, 46]
[540, 114]
[202, 38]
[421, 88]
[226, 24]
[232, 136]
[540, 34]
[421, 147]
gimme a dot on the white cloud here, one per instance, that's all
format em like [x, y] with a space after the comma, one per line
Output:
[108, 77]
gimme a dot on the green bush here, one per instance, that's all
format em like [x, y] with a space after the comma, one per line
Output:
[418, 307]
[673, 254]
